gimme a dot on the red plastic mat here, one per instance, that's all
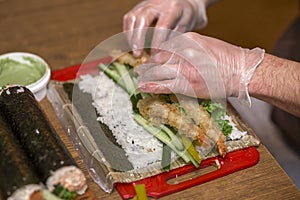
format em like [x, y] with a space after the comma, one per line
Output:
[158, 186]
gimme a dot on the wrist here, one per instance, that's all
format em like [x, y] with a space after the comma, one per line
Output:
[250, 60]
[276, 81]
[262, 82]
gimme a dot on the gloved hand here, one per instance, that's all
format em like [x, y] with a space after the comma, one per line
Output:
[200, 66]
[177, 15]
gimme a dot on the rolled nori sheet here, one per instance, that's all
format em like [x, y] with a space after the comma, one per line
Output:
[16, 170]
[33, 131]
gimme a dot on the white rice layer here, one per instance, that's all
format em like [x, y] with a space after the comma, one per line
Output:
[115, 109]
[235, 133]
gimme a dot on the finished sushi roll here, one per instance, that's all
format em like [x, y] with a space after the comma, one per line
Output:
[52, 161]
[16, 170]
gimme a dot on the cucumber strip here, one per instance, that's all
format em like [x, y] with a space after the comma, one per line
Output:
[191, 149]
[112, 67]
[112, 74]
[175, 140]
[127, 80]
[128, 84]
[195, 163]
[37, 137]
[134, 79]
[140, 191]
[153, 130]
[166, 157]
[162, 136]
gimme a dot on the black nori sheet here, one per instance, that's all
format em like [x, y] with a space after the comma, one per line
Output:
[113, 153]
[68, 88]
[32, 129]
[15, 168]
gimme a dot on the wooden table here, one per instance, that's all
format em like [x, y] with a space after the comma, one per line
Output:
[63, 32]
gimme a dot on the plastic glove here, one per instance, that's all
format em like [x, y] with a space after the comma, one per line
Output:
[200, 66]
[178, 15]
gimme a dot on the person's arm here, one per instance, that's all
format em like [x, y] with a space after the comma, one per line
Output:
[277, 81]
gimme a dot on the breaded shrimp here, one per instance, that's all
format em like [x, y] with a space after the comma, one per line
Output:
[157, 111]
[202, 119]
[128, 58]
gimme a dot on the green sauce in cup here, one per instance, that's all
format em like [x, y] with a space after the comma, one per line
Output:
[22, 73]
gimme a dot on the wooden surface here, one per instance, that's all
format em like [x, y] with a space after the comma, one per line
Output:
[63, 32]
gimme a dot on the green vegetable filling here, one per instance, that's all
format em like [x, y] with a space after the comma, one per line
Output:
[217, 112]
[63, 193]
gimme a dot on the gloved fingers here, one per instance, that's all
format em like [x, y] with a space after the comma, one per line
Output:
[183, 86]
[129, 20]
[172, 67]
[189, 21]
[200, 17]
[184, 79]
[160, 35]
[175, 86]
[138, 41]
[166, 68]
[187, 59]
[157, 87]
[203, 19]
[167, 13]
[161, 57]
[157, 72]
[169, 66]
[163, 28]
[176, 45]
[165, 57]
[141, 69]
[137, 28]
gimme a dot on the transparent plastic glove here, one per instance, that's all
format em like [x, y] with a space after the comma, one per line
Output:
[177, 15]
[200, 66]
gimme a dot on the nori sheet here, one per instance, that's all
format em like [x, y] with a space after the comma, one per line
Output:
[111, 150]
